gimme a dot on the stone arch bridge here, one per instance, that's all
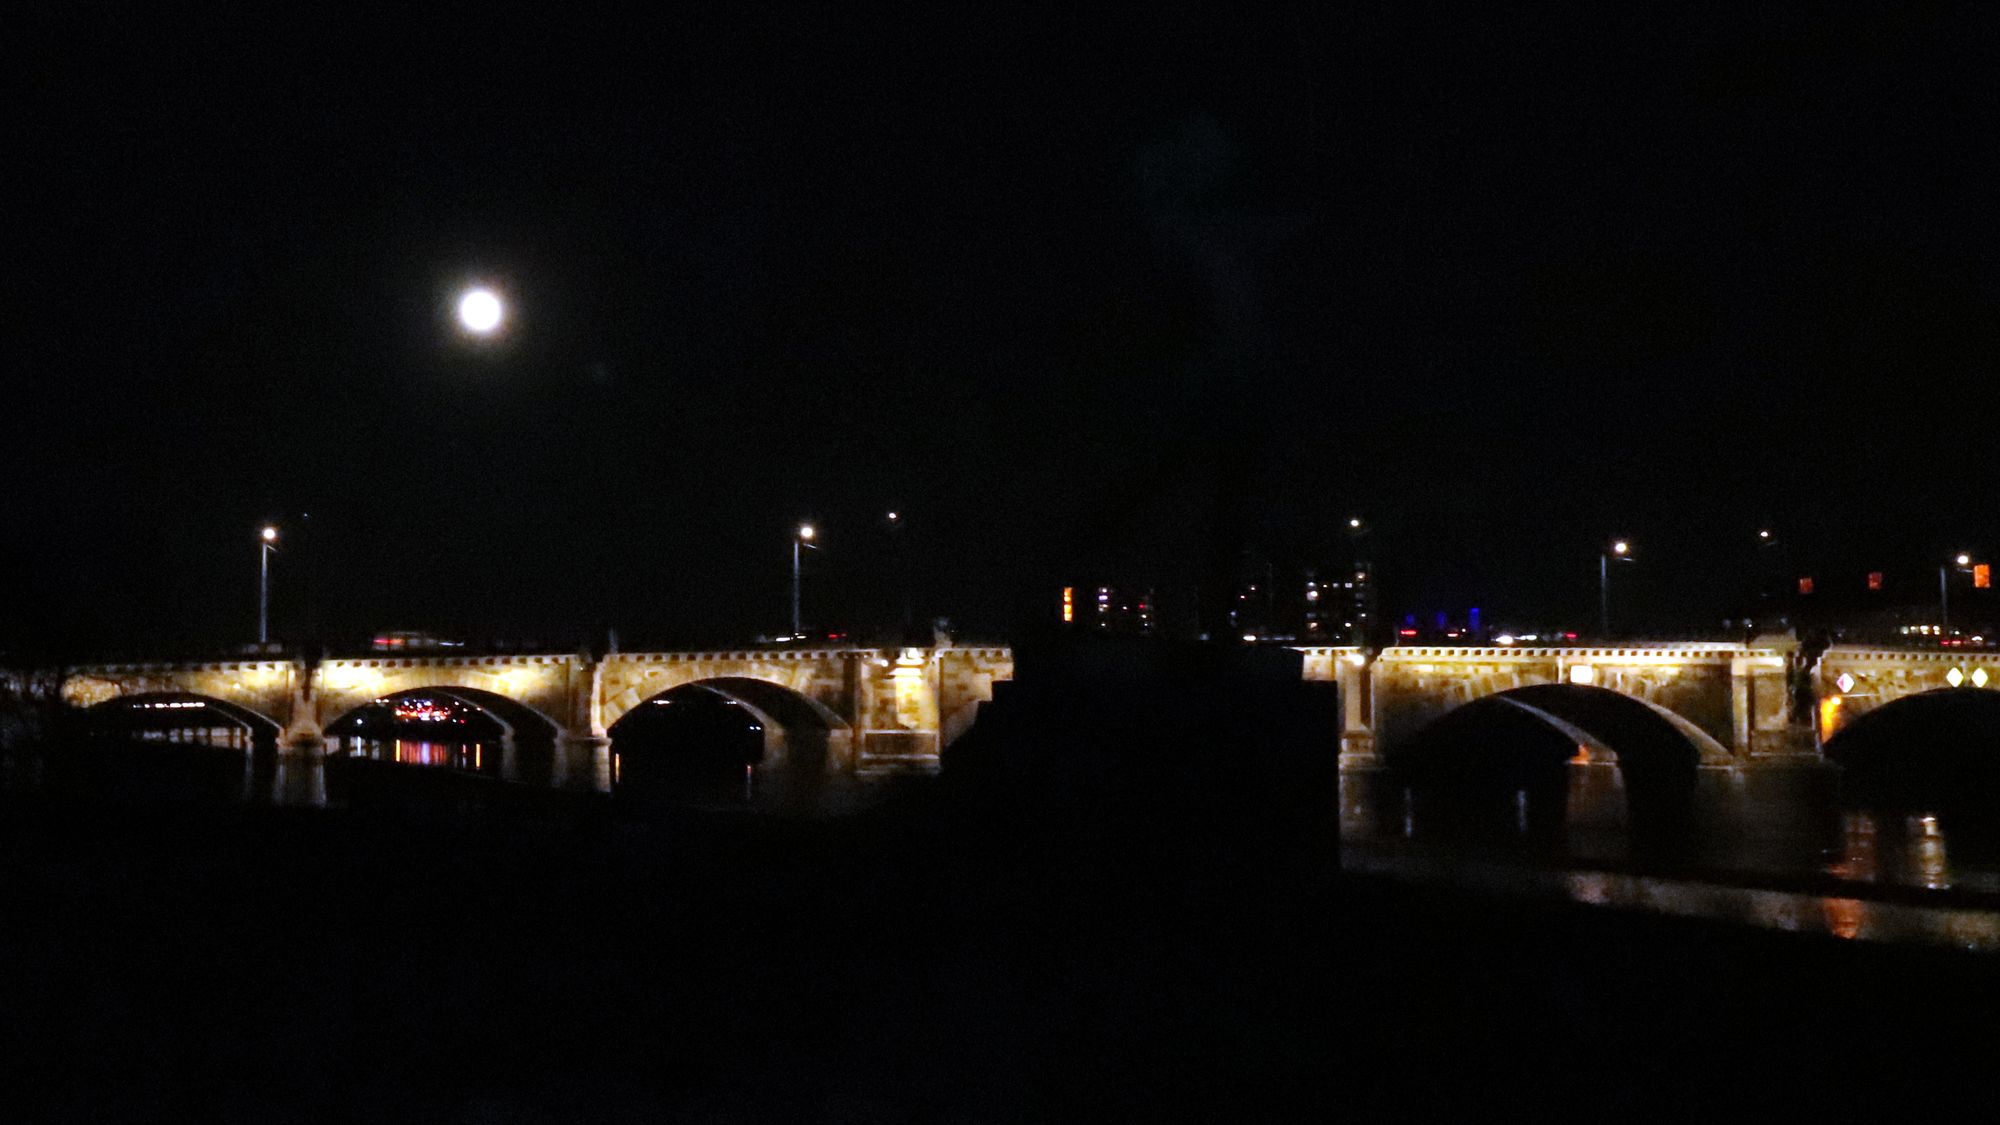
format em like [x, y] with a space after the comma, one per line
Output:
[1736, 704]
[883, 710]
[889, 710]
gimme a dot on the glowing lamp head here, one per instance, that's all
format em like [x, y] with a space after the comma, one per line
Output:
[893, 517]
[480, 311]
[1621, 547]
[806, 531]
[1354, 522]
[1963, 560]
[1764, 534]
[269, 534]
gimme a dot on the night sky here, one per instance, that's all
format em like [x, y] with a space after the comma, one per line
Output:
[1078, 296]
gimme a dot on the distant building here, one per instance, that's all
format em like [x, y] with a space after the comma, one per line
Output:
[1111, 610]
[1337, 606]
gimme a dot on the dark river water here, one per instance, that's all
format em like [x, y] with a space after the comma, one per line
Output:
[1779, 847]
[1776, 847]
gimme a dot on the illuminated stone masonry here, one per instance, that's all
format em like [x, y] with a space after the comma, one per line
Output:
[1731, 701]
[1849, 682]
[885, 711]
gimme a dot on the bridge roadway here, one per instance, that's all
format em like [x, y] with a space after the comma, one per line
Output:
[886, 710]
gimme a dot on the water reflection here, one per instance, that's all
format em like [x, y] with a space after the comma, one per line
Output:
[1928, 862]
[1776, 821]
[1756, 846]
[470, 757]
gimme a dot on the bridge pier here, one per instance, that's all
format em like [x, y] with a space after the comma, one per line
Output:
[1353, 676]
[303, 742]
[582, 761]
[1760, 700]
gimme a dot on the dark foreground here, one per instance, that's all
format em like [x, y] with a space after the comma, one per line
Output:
[450, 958]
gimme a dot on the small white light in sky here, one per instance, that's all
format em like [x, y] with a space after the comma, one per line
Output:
[479, 311]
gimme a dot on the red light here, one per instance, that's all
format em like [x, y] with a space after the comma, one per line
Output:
[1569, 636]
[1406, 632]
[1805, 585]
[1874, 580]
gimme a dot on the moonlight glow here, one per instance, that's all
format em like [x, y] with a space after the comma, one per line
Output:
[479, 311]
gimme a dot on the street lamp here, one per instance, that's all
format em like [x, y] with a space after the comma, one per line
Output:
[893, 520]
[1961, 561]
[1774, 577]
[803, 540]
[1622, 551]
[267, 541]
[480, 311]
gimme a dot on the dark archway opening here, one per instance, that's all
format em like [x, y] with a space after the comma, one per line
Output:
[723, 742]
[160, 746]
[1515, 763]
[456, 728]
[178, 717]
[1936, 750]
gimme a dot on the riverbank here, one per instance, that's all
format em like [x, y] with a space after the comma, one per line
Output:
[568, 962]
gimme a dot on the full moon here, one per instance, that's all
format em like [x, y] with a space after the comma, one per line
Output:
[479, 311]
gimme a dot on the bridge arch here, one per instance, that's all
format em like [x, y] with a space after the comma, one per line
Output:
[1932, 748]
[1596, 717]
[169, 709]
[1524, 740]
[516, 720]
[530, 694]
[799, 743]
[264, 689]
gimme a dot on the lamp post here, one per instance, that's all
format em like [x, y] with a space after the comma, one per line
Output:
[1961, 561]
[267, 541]
[1622, 551]
[800, 541]
[1774, 577]
[893, 520]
